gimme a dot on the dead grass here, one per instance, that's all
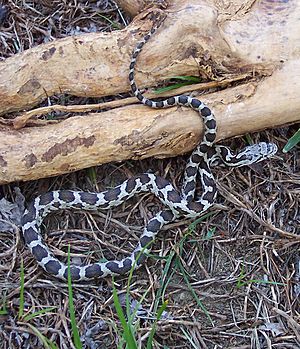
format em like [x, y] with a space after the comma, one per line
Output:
[242, 263]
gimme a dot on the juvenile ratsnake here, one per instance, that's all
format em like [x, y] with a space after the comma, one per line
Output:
[177, 204]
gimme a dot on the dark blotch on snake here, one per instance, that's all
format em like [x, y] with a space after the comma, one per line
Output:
[114, 267]
[132, 64]
[133, 87]
[145, 240]
[207, 180]
[147, 37]
[67, 195]
[140, 45]
[196, 206]
[159, 104]
[167, 215]
[191, 170]
[205, 167]
[204, 148]
[196, 104]
[196, 158]
[53, 267]
[127, 265]
[30, 235]
[93, 271]
[46, 198]
[74, 271]
[224, 152]
[211, 124]
[139, 96]
[131, 76]
[153, 225]
[135, 54]
[89, 198]
[161, 182]
[139, 257]
[144, 179]
[39, 252]
[209, 196]
[130, 185]
[112, 194]
[210, 137]
[173, 196]
[205, 111]
[189, 187]
[171, 100]
[30, 215]
[148, 103]
[183, 99]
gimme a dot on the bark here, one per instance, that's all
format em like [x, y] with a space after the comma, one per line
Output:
[220, 41]
[133, 7]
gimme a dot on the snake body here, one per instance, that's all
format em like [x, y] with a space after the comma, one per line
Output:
[178, 204]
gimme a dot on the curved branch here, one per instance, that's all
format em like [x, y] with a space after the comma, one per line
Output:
[195, 39]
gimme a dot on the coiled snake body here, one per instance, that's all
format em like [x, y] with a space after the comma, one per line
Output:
[177, 204]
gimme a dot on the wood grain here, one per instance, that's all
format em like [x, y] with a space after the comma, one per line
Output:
[261, 41]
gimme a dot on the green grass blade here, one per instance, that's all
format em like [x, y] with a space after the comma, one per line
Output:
[3, 309]
[191, 79]
[242, 282]
[188, 337]
[240, 278]
[292, 142]
[114, 24]
[168, 272]
[22, 285]
[194, 294]
[259, 281]
[210, 233]
[92, 174]
[191, 229]
[45, 341]
[153, 329]
[249, 139]
[76, 336]
[193, 225]
[165, 280]
[127, 332]
[129, 312]
[38, 313]
[171, 87]
[51, 345]
[185, 80]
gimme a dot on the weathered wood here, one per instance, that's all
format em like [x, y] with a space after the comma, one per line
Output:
[196, 37]
[134, 7]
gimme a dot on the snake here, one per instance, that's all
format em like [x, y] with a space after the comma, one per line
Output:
[176, 204]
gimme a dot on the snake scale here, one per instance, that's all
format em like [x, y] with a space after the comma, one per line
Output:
[177, 204]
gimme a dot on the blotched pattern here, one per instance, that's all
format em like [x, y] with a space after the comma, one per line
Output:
[177, 204]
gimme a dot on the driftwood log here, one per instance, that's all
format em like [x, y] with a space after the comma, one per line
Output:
[249, 51]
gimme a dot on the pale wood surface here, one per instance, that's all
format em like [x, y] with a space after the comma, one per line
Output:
[214, 39]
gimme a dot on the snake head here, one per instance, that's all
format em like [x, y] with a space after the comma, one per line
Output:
[257, 152]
